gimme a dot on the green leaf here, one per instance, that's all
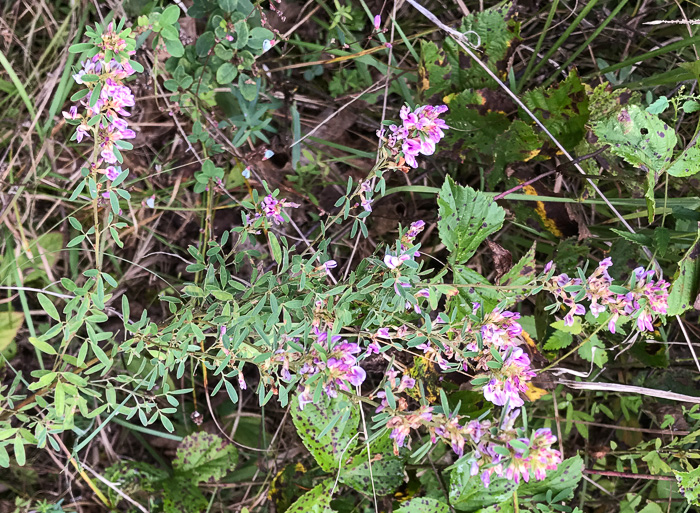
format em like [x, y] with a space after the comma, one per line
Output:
[423, 505]
[170, 33]
[316, 500]
[240, 28]
[248, 86]
[387, 471]
[523, 272]
[170, 15]
[340, 440]
[48, 307]
[640, 138]
[19, 451]
[488, 297]
[226, 73]
[687, 163]
[562, 108]
[662, 236]
[467, 217]
[205, 457]
[689, 485]
[558, 340]
[275, 247]
[10, 323]
[228, 5]
[204, 44]
[564, 479]
[594, 351]
[467, 492]
[660, 105]
[42, 346]
[686, 282]
[81, 47]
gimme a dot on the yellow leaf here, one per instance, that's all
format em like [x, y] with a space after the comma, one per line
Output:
[533, 393]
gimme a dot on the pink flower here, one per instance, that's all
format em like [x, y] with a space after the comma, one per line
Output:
[377, 22]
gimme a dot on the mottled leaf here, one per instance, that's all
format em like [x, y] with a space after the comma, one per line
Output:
[467, 217]
[312, 420]
[640, 138]
[566, 477]
[423, 505]
[10, 323]
[687, 163]
[317, 500]
[205, 457]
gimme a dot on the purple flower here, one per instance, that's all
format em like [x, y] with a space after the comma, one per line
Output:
[330, 264]
[392, 262]
[377, 22]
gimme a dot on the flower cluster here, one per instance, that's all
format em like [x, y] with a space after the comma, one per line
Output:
[105, 102]
[642, 299]
[339, 366]
[418, 134]
[271, 209]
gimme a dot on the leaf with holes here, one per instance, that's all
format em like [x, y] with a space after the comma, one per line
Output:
[316, 500]
[341, 439]
[467, 217]
[205, 457]
[381, 475]
[640, 138]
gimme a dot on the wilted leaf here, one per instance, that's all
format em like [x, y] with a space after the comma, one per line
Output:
[502, 259]
[205, 457]
[467, 217]
[340, 439]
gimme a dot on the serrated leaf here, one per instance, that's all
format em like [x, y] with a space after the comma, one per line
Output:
[558, 340]
[205, 457]
[467, 217]
[423, 505]
[562, 108]
[316, 500]
[311, 421]
[523, 272]
[686, 283]
[636, 238]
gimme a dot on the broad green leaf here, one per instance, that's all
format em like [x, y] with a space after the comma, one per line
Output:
[10, 323]
[170, 15]
[687, 163]
[423, 505]
[48, 307]
[519, 143]
[467, 492]
[226, 73]
[340, 440]
[228, 5]
[686, 282]
[317, 500]
[205, 457]
[180, 495]
[564, 478]
[174, 47]
[42, 346]
[488, 297]
[640, 138]
[467, 217]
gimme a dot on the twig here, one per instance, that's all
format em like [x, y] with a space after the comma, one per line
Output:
[618, 387]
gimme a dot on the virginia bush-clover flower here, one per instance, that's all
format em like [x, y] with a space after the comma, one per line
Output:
[421, 130]
[641, 299]
[106, 100]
